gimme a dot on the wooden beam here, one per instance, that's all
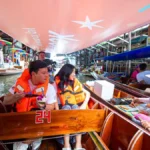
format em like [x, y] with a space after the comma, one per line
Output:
[14, 42]
[22, 125]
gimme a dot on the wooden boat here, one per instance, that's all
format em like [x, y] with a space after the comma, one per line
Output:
[81, 29]
[6, 72]
[118, 131]
[108, 127]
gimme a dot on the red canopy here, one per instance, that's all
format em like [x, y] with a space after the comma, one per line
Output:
[64, 26]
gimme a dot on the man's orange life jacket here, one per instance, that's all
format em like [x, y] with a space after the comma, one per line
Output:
[22, 84]
[70, 95]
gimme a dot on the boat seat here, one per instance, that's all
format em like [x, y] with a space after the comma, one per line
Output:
[136, 141]
[107, 129]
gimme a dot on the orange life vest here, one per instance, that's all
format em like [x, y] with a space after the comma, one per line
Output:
[22, 84]
[70, 95]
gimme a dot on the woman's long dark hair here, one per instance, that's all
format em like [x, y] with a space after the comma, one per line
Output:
[64, 74]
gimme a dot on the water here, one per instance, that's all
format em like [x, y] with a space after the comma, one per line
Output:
[6, 82]
[83, 78]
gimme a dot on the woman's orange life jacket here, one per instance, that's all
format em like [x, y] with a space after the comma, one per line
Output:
[22, 84]
[70, 95]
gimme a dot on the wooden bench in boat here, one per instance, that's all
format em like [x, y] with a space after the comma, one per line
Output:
[62, 122]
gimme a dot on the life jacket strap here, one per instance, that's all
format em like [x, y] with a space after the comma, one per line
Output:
[74, 93]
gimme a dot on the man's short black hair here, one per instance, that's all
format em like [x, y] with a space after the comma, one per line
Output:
[41, 52]
[34, 66]
[143, 66]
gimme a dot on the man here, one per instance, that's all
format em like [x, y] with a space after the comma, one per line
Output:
[142, 76]
[32, 81]
[41, 55]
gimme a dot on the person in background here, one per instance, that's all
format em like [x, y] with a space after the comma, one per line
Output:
[34, 80]
[71, 95]
[26, 64]
[51, 73]
[41, 55]
[142, 75]
[134, 74]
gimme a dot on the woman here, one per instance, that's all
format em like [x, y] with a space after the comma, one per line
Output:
[71, 95]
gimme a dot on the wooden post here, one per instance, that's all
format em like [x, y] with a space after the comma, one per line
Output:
[149, 30]
[129, 46]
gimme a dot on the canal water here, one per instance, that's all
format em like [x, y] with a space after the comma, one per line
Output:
[6, 82]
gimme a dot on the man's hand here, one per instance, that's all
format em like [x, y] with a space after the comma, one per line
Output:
[10, 99]
[18, 96]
